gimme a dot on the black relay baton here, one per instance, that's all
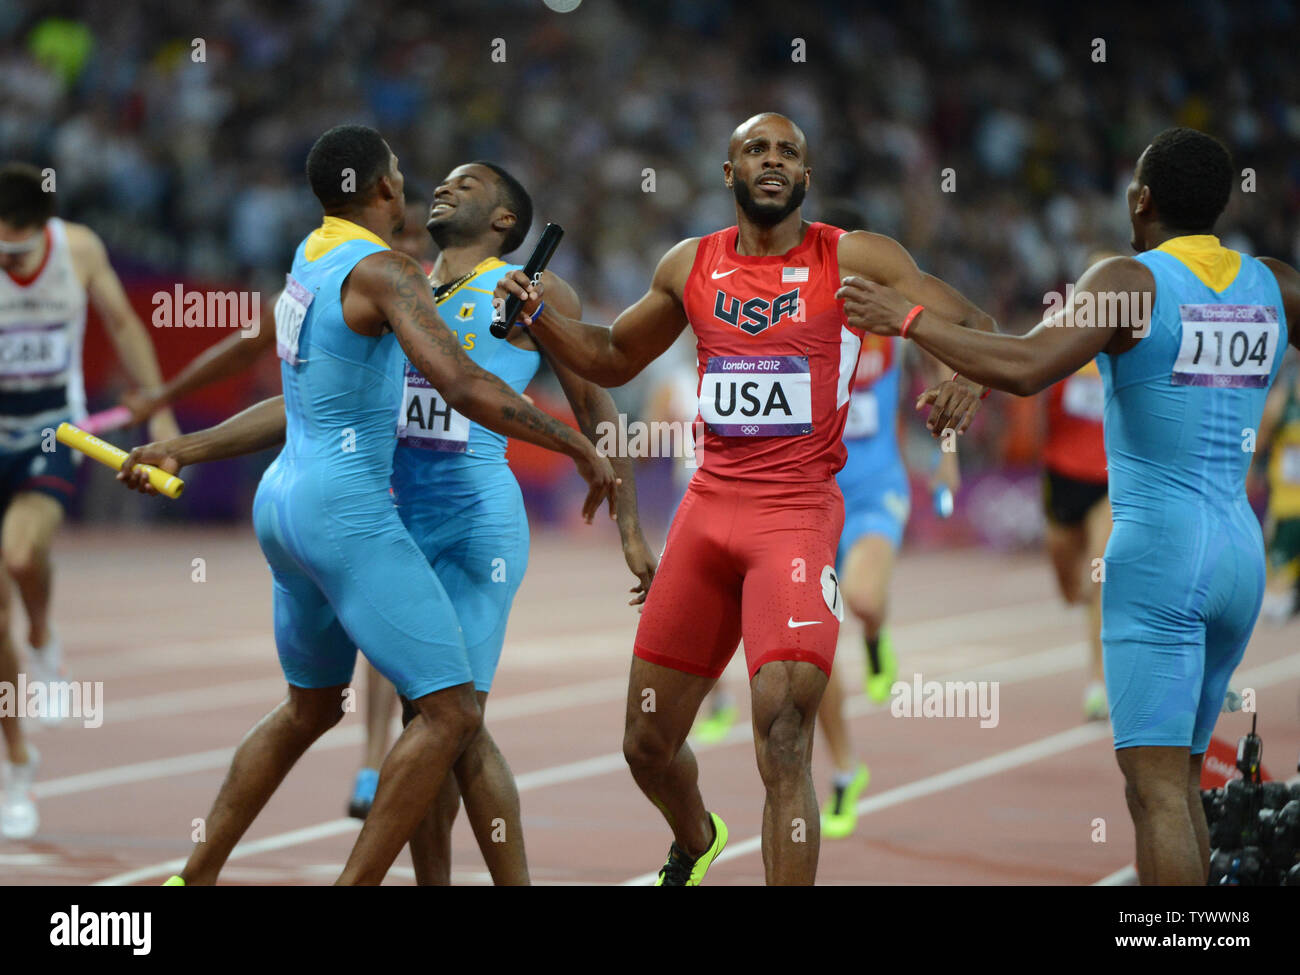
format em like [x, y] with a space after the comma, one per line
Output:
[536, 265]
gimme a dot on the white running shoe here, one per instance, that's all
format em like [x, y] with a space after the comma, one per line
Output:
[46, 665]
[18, 817]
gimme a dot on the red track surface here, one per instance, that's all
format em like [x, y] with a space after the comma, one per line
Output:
[189, 666]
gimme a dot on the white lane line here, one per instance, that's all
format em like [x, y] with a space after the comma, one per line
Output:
[307, 834]
[1046, 662]
[923, 639]
[1001, 762]
[1264, 675]
[1123, 877]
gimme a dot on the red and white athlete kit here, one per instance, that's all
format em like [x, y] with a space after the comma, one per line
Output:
[751, 551]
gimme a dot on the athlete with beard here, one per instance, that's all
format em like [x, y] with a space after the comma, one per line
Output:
[752, 547]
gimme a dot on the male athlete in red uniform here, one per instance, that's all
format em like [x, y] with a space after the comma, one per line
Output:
[752, 547]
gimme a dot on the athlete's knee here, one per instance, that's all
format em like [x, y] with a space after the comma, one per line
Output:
[1146, 792]
[25, 561]
[315, 712]
[646, 747]
[783, 746]
[455, 712]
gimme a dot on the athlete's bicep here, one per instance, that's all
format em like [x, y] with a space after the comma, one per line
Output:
[1288, 282]
[1075, 333]
[401, 296]
[580, 393]
[884, 260]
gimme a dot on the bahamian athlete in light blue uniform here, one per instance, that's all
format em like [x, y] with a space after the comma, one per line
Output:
[1189, 336]
[461, 502]
[346, 572]
[454, 490]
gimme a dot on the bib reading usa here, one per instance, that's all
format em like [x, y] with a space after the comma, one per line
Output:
[757, 396]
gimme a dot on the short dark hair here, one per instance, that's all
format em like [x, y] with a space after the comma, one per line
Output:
[355, 147]
[23, 199]
[515, 199]
[1190, 175]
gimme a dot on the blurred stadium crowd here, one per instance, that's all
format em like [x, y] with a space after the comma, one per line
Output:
[194, 168]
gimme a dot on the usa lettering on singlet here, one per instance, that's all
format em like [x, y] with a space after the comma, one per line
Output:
[775, 357]
[42, 326]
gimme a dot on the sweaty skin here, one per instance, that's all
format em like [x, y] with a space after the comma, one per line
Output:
[767, 170]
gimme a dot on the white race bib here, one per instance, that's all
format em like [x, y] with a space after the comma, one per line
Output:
[290, 310]
[1226, 346]
[1084, 397]
[427, 421]
[34, 350]
[1291, 464]
[757, 396]
[864, 415]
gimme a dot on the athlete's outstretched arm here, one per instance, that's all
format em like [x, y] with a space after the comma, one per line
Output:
[594, 410]
[256, 428]
[399, 290]
[221, 360]
[613, 356]
[125, 330]
[884, 260]
[1288, 282]
[1024, 364]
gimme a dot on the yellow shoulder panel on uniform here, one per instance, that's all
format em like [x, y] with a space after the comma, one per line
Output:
[1215, 265]
[334, 231]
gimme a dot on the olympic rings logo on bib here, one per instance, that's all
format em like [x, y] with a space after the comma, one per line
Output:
[1226, 346]
[757, 396]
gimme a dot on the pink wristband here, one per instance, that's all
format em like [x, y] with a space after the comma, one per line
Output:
[907, 322]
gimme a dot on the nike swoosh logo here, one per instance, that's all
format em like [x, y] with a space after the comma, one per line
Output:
[715, 275]
[794, 626]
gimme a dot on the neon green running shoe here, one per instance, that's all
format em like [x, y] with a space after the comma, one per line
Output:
[714, 728]
[175, 880]
[840, 813]
[682, 871]
[883, 671]
[1095, 707]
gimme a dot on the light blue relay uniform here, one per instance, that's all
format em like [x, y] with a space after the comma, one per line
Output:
[346, 572]
[1185, 563]
[454, 490]
[873, 479]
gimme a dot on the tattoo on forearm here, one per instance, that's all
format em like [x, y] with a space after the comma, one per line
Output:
[414, 301]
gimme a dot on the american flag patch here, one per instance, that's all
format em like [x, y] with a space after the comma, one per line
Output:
[793, 275]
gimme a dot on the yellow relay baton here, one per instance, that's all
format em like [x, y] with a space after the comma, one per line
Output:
[110, 456]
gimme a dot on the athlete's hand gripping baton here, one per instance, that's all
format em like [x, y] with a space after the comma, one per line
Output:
[536, 265]
[110, 456]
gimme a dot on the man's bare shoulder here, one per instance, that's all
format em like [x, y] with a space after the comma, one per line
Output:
[85, 246]
[675, 266]
[1116, 275]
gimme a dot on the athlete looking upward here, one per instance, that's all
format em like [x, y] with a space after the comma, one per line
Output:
[752, 547]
